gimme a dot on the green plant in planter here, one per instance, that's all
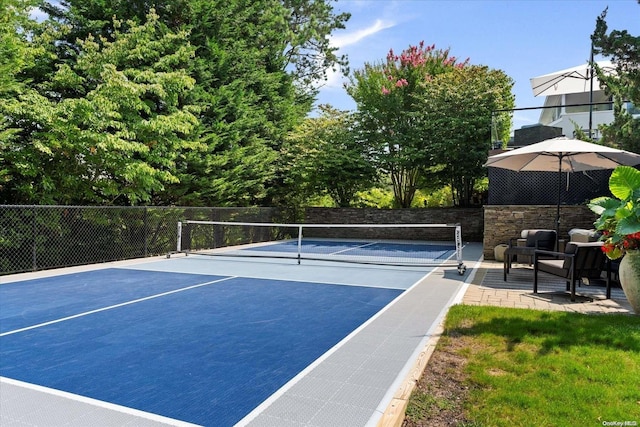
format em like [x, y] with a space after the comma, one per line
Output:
[619, 215]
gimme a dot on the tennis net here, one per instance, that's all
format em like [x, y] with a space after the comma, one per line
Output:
[384, 244]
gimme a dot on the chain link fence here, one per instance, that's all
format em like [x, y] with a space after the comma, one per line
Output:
[42, 237]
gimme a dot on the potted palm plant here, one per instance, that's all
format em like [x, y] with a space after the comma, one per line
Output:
[619, 223]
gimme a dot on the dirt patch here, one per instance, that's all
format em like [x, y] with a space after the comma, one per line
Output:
[438, 399]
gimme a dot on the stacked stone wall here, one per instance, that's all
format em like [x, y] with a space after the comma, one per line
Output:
[470, 220]
[502, 222]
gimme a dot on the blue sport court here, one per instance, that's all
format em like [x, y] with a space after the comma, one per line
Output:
[216, 341]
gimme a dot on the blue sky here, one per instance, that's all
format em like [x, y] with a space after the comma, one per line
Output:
[523, 38]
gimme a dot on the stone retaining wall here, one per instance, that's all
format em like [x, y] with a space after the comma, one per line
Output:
[502, 222]
[470, 220]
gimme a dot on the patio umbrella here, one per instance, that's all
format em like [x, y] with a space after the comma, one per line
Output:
[562, 154]
[572, 80]
[580, 79]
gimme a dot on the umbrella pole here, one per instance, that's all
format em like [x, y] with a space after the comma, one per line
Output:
[558, 205]
[591, 91]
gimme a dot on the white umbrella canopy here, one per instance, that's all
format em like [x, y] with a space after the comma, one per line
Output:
[572, 80]
[562, 154]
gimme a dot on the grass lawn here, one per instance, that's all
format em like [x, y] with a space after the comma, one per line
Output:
[514, 367]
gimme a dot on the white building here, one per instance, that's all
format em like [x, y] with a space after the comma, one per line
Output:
[574, 97]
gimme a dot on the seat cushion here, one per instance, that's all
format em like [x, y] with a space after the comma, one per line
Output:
[553, 266]
[582, 235]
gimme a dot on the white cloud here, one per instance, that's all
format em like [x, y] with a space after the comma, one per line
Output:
[354, 37]
[335, 78]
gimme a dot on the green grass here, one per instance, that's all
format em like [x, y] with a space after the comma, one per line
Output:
[536, 368]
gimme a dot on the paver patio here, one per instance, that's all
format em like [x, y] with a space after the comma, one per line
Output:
[489, 288]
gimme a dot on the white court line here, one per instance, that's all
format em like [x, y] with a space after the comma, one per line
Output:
[444, 254]
[317, 282]
[356, 247]
[86, 313]
[97, 403]
[375, 243]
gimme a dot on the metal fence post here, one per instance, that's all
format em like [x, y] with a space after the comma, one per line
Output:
[144, 234]
[179, 245]
[34, 250]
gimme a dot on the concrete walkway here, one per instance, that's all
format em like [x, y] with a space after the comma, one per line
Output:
[489, 288]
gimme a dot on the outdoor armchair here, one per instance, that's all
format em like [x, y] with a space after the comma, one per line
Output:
[578, 261]
[526, 245]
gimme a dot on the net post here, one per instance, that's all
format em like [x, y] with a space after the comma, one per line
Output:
[179, 245]
[458, 243]
[299, 243]
[461, 266]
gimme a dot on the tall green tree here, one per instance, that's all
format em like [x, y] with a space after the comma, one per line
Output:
[14, 57]
[308, 52]
[456, 113]
[255, 65]
[107, 128]
[327, 156]
[388, 97]
[624, 51]
[248, 101]
[14, 27]
[302, 38]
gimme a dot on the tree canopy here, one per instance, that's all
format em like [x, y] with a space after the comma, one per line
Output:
[206, 102]
[296, 31]
[188, 103]
[16, 55]
[624, 50]
[387, 94]
[457, 112]
[326, 155]
[109, 125]
[428, 117]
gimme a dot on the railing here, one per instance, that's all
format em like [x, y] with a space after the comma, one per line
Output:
[42, 237]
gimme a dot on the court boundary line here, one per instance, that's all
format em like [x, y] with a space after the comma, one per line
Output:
[320, 263]
[315, 282]
[355, 247]
[96, 402]
[111, 307]
[60, 271]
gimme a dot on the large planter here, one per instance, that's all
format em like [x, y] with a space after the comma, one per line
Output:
[630, 278]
